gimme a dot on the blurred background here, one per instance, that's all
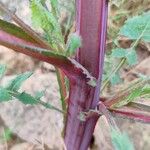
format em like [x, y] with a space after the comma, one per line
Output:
[36, 128]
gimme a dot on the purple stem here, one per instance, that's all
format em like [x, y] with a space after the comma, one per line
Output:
[91, 25]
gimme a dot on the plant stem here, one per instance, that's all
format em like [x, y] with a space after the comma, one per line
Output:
[62, 89]
[91, 25]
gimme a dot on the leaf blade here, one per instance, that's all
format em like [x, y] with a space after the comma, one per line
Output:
[26, 98]
[121, 141]
[15, 84]
[4, 95]
[137, 26]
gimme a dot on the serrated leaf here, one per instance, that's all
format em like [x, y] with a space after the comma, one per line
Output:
[121, 141]
[26, 98]
[130, 54]
[2, 70]
[4, 95]
[41, 17]
[115, 79]
[118, 52]
[73, 43]
[15, 84]
[47, 21]
[136, 27]
[131, 57]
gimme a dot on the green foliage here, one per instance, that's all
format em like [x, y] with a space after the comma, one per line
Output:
[145, 91]
[15, 84]
[134, 94]
[115, 79]
[7, 135]
[11, 90]
[26, 98]
[121, 141]
[129, 54]
[136, 27]
[118, 52]
[4, 95]
[131, 97]
[47, 21]
[131, 57]
[73, 43]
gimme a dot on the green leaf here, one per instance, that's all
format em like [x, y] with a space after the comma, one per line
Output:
[134, 94]
[129, 54]
[145, 91]
[4, 95]
[118, 52]
[131, 97]
[47, 21]
[15, 84]
[26, 98]
[115, 79]
[73, 43]
[121, 141]
[131, 57]
[7, 135]
[136, 27]
[41, 17]
[2, 70]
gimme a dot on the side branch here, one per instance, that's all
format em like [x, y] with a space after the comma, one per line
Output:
[70, 67]
[133, 111]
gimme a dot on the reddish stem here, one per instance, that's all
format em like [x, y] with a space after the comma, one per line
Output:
[71, 68]
[91, 25]
[133, 111]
